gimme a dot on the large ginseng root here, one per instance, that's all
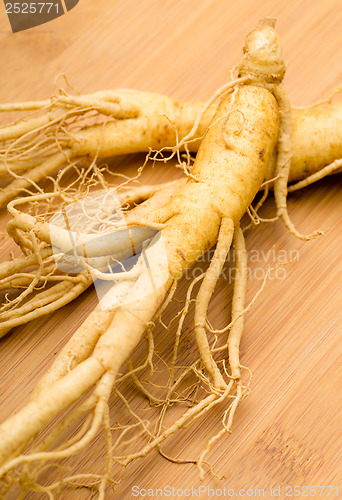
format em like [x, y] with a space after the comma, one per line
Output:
[229, 169]
[157, 122]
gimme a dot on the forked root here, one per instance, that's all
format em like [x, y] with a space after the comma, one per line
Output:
[199, 215]
[92, 358]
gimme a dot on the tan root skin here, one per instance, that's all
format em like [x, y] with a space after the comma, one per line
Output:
[316, 139]
[222, 190]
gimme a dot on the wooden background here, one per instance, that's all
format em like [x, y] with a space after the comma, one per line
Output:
[288, 431]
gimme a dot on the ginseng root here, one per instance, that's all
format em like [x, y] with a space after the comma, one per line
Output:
[226, 175]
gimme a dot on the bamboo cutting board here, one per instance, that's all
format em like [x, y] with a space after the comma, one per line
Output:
[287, 433]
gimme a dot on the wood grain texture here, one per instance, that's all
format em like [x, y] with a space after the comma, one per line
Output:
[288, 431]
